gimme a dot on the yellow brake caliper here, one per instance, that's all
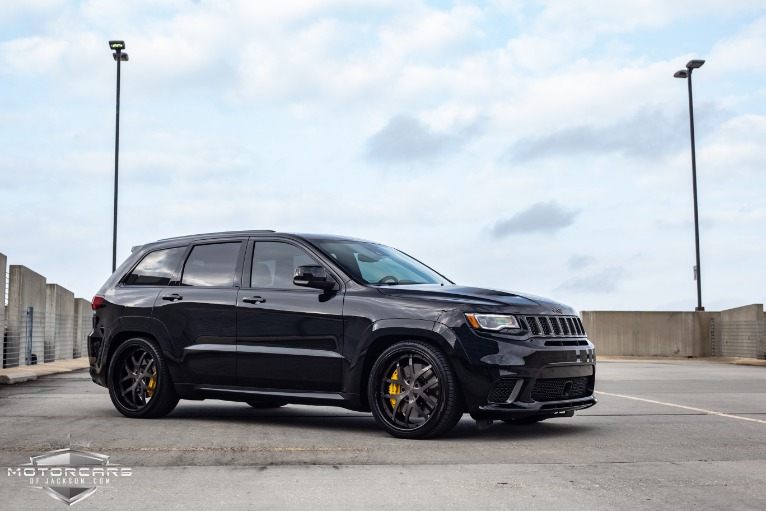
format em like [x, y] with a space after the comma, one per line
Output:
[394, 388]
[152, 385]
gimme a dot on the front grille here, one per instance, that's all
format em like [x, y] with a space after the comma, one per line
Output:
[557, 389]
[501, 390]
[555, 326]
[567, 342]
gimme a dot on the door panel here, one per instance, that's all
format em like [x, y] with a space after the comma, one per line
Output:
[289, 341]
[198, 311]
[288, 337]
[202, 326]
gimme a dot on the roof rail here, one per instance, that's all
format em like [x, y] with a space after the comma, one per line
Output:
[217, 234]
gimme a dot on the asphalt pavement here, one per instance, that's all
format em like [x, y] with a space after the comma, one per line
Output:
[665, 435]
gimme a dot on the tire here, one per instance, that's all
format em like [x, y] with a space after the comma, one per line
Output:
[139, 381]
[525, 421]
[265, 405]
[413, 392]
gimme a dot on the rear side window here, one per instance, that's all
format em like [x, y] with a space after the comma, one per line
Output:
[211, 265]
[156, 268]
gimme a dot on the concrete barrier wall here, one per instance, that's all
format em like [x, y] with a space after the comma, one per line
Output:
[4, 304]
[25, 289]
[57, 327]
[59, 323]
[740, 332]
[731, 333]
[649, 334]
[83, 324]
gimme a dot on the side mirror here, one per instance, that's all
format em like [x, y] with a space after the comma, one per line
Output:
[313, 276]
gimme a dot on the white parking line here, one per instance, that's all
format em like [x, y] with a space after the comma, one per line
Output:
[709, 412]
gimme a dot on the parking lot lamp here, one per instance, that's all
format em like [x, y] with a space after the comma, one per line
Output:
[687, 73]
[119, 56]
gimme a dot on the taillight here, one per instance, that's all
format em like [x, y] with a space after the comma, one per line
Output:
[98, 302]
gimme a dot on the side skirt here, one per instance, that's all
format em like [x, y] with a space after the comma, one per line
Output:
[231, 393]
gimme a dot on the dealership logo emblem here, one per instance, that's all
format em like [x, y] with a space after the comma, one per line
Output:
[70, 475]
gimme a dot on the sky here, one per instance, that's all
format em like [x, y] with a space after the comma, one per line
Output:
[533, 146]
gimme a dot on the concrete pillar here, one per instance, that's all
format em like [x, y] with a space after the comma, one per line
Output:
[59, 323]
[83, 325]
[3, 284]
[25, 289]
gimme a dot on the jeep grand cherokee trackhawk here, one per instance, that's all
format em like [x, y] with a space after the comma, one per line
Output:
[272, 318]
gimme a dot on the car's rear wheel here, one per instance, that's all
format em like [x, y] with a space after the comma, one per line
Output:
[139, 381]
[413, 392]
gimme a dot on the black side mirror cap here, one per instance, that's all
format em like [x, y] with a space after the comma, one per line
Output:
[315, 277]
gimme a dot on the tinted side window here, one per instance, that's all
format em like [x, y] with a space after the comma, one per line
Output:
[211, 265]
[274, 264]
[156, 268]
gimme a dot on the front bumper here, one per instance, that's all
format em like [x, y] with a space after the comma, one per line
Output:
[506, 378]
[519, 410]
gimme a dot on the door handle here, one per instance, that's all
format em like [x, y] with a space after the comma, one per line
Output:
[254, 299]
[173, 297]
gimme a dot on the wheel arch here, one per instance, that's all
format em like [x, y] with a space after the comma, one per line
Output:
[120, 338]
[137, 326]
[387, 336]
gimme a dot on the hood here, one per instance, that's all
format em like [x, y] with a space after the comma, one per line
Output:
[489, 300]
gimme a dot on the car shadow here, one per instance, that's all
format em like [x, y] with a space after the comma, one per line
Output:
[338, 419]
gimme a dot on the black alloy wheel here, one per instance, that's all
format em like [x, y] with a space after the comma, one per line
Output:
[139, 381]
[413, 392]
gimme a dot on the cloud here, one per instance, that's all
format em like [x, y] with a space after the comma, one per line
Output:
[540, 217]
[428, 31]
[578, 262]
[736, 149]
[604, 281]
[406, 139]
[735, 54]
[648, 135]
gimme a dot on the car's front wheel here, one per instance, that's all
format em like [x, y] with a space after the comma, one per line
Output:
[413, 392]
[139, 381]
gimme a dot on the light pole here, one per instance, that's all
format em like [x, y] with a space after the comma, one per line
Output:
[119, 56]
[687, 73]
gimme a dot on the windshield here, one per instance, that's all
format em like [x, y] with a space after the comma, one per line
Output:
[378, 264]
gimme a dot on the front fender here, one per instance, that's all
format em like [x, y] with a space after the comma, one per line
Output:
[381, 334]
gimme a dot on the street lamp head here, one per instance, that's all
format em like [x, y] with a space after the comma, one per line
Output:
[694, 64]
[122, 56]
[117, 45]
[681, 74]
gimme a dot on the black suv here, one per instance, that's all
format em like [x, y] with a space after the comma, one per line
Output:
[272, 318]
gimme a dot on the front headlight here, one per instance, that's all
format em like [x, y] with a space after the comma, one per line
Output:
[493, 322]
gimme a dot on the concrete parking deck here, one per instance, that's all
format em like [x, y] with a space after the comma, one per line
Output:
[680, 434]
